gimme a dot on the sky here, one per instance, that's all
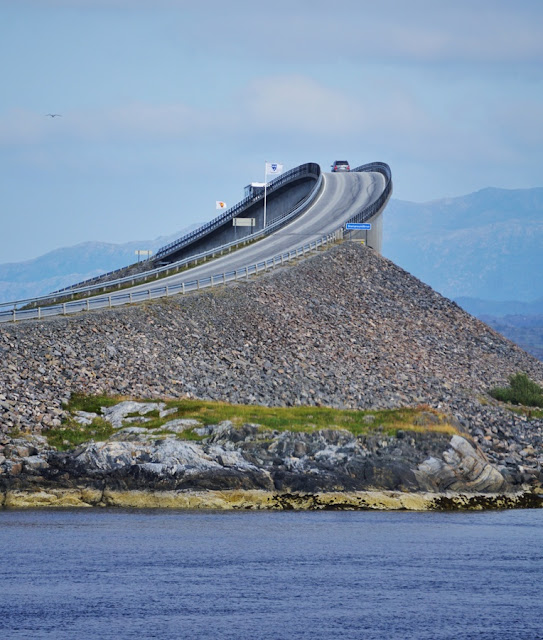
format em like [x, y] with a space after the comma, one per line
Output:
[170, 105]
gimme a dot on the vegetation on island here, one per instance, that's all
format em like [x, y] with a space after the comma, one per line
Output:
[298, 418]
[521, 391]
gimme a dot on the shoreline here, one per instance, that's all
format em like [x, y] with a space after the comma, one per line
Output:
[259, 500]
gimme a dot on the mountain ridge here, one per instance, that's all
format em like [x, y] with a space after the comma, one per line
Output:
[66, 266]
[483, 245]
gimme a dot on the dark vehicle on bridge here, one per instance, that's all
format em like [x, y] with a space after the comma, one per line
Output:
[340, 165]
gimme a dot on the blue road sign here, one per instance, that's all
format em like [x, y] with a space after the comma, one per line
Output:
[358, 226]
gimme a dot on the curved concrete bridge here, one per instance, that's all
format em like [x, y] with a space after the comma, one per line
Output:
[329, 200]
[305, 209]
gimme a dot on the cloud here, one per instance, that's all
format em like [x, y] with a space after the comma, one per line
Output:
[408, 31]
[298, 103]
[295, 113]
[519, 122]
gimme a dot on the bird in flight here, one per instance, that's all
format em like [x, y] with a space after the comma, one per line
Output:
[54, 115]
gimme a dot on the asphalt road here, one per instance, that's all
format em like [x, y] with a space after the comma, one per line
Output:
[342, 196]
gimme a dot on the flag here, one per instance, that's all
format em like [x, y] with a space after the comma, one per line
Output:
[273, 168]
[219, 204]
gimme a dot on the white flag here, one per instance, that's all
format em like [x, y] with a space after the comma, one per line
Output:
[273, 168]
[219, 204]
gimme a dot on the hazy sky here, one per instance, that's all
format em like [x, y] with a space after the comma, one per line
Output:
[170, 105]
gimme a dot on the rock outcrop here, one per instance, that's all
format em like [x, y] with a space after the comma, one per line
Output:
[346, 328]
[249, 458]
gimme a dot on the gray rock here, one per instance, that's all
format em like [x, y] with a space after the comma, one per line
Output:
[463, 468]
[119, 413]
[180, 425]
[34, 463]
[84, 417]
[300, 335]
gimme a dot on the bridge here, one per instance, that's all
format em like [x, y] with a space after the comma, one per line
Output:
[304, 209]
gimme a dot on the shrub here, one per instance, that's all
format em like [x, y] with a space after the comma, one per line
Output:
[521, 390]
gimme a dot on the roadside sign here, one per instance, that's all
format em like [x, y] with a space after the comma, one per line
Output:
[358, 226]
[143, 252]
[243, 222]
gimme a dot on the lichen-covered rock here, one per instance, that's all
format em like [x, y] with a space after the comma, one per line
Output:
[249, 458]
[463, 468]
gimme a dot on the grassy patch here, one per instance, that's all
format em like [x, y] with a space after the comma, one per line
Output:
[91, 404]
[521, 391]
[301, 419]
[530, 413]
[309, 418]
[72, 435]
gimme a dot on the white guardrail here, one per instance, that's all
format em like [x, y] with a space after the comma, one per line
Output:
[29, 309]
[175, 267]
[128, 297]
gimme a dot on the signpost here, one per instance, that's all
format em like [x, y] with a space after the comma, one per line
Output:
[242, 222]
[143, 252]
[359, 226]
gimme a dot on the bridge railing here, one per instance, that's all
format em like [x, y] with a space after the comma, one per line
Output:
[308, 169]
[304, 170]
[127, 297]
[367, 212]
[114, 299]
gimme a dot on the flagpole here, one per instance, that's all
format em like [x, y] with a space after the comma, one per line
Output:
[265, 191]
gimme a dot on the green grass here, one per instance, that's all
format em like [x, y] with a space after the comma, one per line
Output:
[91, 404]
[531, 413]
[300, 419]
[521, 391]
[71, 435]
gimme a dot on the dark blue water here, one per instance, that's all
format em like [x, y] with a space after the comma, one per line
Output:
[170, 574]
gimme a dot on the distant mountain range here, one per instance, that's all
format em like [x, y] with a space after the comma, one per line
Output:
[484, 250]
[485, 245]
[499, 309]
[70, 265]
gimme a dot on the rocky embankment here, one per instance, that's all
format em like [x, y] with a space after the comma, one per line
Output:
[345, 328]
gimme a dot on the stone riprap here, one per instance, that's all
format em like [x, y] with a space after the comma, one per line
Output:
[345, 328]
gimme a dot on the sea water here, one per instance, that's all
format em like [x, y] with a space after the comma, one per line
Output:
[101, 574]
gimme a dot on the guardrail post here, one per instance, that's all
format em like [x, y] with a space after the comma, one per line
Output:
[167, 291]
[197, 284]
[183, 288]
[63, 308]
[149, 293]
[88, 305]
[224, 277]
[130, 297]
[14, 315]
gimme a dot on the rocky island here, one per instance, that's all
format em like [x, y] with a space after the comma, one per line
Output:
[345, 329]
